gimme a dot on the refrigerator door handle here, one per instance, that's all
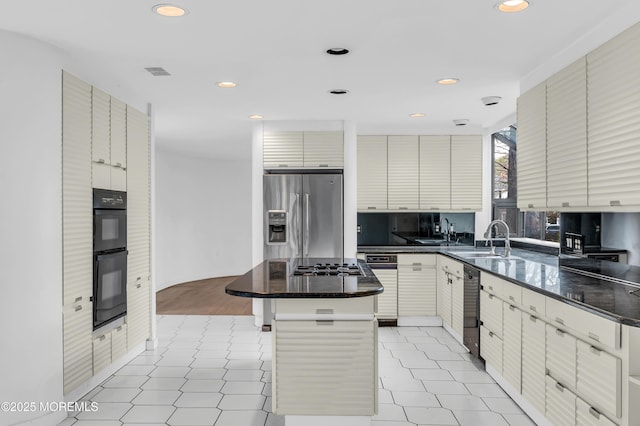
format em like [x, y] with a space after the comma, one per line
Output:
[306, 225]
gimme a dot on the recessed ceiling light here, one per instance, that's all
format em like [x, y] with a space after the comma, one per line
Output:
[338, 91]
[491, 100]
[169, 10]
[461, 121]
[511, 6]
[447, 81]
[337, 51]
[227, 84]
[416, 115]
[256, 117]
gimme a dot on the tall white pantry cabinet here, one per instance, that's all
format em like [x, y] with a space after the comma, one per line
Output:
[105, 143]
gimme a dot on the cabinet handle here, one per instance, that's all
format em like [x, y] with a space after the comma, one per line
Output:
[532, 318]
[138, 285]
[614, 203]
[594, 412]
[559, 332]
[490, 287]
[512, 298]
[594, 337]
[512, 308]
[323, 165]
[559, 320]
[371, 208]
[530, 206]
[100, 161]
[565, 204]
[77, 308]
[491, 296]
[119, 328]
[79, 298]
[283, 165]
[118, 164]
[417, 263]
[595, 350]
[491, 334]
[533, 308]
[138, 278]
[101, 338]
[403, 208]
[559, 387]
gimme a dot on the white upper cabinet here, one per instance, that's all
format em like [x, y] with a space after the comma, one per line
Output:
[403, 173]
[310, 150]
[614, 121]
[466, 172]
[372, 173]
[100, 117]
[435, 172]
[567, 137]
[118, 133]
[323, 150]
[532, 141]
[283, 150]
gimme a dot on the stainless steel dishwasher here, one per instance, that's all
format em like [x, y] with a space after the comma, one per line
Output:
[471, 332]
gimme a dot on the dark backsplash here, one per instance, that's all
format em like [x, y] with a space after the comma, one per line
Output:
[391, 229]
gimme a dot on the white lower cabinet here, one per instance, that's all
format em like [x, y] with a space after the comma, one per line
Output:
[561, 356]
[533, 361]
[450, 294]
[101, 352]
[491, 312]
[78, 355]
[561, 404]
[587, 415]
[138, 313]
[416, 285]
[599, 378]
[388, 299]
[324, 368]
[491, 348]
[443, 296]
[512, 346]
[119, 342]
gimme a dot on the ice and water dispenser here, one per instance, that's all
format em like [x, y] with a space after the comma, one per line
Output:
[277, 227]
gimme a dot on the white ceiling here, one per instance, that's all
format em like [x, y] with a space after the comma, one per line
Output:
[275, 49]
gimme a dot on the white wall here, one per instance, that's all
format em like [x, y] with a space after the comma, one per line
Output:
[30, 226]
[203, 218]
[621, 230]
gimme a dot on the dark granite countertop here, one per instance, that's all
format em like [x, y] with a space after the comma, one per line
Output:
[572, 280]
[275, 279]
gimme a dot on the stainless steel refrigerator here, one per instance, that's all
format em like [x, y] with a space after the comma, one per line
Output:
[303, 215]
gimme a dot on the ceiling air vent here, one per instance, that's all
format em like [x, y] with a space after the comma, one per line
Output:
[157, 71]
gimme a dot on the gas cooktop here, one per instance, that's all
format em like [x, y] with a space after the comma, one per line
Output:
[330, 269]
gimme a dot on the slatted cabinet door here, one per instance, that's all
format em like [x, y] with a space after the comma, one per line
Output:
[416, 285]
[466, 173]
[282, 150]
[561, 404]
[435, 172]
[101, 352]
[372, 173]
[323, 150]
[614, 121]
[567, 137]
[561, 356]
[388, 299]
[599, 378]
[533, 361]
[324, 368]
[512, 345]
[118, 133]
[403, 173]
[532, 154]
[77, 235]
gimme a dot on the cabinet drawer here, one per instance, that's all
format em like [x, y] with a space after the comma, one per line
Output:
[451, 266]
[586, 415]
[561, 404]
[599, 378]
[491, 312]
[492, 284]
[417, 259]
[561, 356]
[355, 305]
[511, 293]
[491, 348]
[593, 327]
[534, 302]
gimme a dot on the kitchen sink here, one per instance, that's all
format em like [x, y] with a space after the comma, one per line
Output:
[483, 255]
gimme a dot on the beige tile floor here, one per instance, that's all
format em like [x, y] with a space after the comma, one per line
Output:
[216, 371]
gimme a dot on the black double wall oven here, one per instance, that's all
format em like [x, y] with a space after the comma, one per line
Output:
[109, 256]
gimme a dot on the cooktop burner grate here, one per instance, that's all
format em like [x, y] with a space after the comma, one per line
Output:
[331, 269]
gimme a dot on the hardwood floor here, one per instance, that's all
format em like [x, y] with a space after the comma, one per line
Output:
[203, 297]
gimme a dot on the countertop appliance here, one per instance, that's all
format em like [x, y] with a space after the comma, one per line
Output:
[574, 244]
[471, 310]
[303, 219]
[109, 256]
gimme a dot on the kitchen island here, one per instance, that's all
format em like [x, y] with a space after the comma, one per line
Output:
[324, 338]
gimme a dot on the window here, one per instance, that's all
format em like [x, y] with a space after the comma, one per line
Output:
[543, 225]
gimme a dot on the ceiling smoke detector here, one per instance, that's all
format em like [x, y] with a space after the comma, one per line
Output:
[461, 121]
[338, 91]
[337, 51]
[491, 100]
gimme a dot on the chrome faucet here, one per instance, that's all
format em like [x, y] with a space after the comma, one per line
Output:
[507, 242]
[445, 231]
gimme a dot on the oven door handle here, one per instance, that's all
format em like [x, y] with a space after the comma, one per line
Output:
[104, 255]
